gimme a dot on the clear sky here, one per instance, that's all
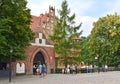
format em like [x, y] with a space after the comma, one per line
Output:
[87, 11]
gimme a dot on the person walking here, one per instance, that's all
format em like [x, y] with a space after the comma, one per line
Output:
[43, 71]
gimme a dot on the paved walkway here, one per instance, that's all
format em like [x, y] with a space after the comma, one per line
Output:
[90, 78]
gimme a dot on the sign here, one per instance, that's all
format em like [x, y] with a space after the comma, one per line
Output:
[20, 68]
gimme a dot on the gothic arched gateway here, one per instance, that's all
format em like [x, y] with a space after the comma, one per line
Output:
[39, 59]
[38, 54]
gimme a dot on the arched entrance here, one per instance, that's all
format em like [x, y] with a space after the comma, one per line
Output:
[38, 55]
[39, 59]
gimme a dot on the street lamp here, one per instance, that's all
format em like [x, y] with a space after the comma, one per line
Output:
[10, 68]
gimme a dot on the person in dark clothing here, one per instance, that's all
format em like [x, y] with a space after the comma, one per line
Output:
[34, 69]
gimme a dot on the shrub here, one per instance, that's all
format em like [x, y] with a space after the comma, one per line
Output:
[58, 70]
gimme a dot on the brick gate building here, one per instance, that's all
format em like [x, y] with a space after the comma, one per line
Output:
[41, 49]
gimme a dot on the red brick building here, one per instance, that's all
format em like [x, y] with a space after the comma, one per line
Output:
[41, 49]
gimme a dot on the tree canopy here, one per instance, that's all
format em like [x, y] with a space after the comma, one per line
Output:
[15, 33]
[64, 32]
[104, 39]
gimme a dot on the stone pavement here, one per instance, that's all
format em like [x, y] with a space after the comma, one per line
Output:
[84, 78]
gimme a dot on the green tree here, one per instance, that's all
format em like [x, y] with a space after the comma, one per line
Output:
[85, 51]
[63, 33]
[104, 38]
[15, 33]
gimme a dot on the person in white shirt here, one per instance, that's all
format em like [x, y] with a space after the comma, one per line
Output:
[106, 68]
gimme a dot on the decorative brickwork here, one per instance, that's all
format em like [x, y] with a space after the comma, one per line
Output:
[47, 52]
[42, 27]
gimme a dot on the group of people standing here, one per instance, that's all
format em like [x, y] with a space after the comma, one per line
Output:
[39, 69]
[89, 68]
[70, 69]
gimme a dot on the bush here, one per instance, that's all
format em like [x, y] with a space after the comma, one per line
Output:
[58, 70]
[82, 70]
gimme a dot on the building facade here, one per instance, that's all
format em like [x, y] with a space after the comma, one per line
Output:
[41, 49]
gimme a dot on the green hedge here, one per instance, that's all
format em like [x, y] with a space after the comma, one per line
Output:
[82, 70]
[58, 70]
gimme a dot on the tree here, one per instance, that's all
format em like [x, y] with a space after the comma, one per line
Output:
[63, 33]
[104, 38]
[85, 51]
[15, 33]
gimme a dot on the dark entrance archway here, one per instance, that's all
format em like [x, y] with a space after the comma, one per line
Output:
[39, 59]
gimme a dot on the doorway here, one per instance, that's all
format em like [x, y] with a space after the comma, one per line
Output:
[39, 59]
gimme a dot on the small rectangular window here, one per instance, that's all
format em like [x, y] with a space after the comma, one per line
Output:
[40, 41]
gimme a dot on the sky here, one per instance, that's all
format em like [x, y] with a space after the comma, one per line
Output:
[87, 11]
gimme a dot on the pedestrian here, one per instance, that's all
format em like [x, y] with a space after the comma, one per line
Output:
[37, 70]
[40, 68]
[73, 68]
[76, 68]
[87, 68]
[43, 71]
[68, 69]
[34, 69]
[106, 68]
[90, 68]
[63, 71]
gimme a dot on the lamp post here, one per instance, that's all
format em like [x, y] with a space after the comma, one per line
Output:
[10, 68]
